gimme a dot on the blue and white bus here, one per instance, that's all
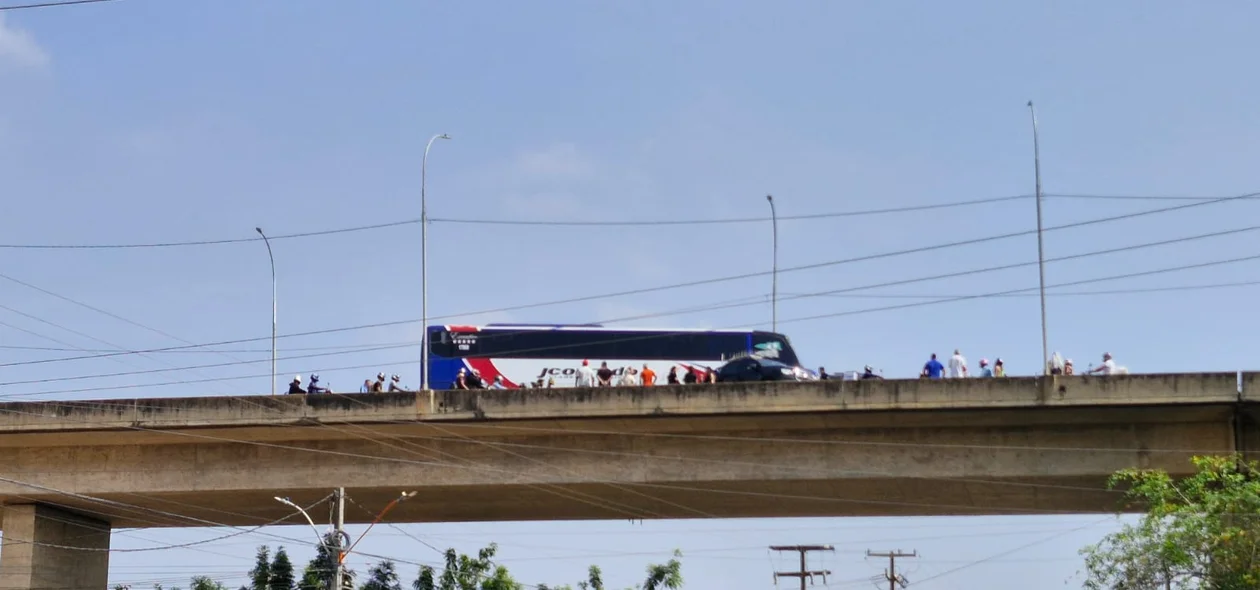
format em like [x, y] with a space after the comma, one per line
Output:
[524, 354]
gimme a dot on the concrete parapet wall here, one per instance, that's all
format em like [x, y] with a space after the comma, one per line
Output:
[719, 399]
[830, 396]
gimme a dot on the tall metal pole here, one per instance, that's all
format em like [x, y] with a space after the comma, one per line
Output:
[273, 308]
[774, 274]
[1041, 256]
[424, 262]
[339, 572]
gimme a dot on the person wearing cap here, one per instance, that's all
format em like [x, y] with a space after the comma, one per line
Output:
[1108, 367]
[295, 386]
[985, 371]
[585, 375]
[315, 387]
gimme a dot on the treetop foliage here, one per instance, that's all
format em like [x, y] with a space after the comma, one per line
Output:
[1201, 532]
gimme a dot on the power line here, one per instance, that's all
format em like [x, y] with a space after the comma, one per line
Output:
[1152, 272]
[218, 242]
[1200, 287]
[416, 221]
[50, 4]
[367, 347]
[859, 213]
[1011, 551]
[701, 282]
[956, 274]
[1130, 197]
[808, 216]
[661, 222]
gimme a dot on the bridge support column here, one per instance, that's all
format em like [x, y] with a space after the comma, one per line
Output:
[47, 548]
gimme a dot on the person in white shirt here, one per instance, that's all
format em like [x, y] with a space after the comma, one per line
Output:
[957, 365]
[1109, 366]
[585, 375]
[1055, 364]
[629, 378]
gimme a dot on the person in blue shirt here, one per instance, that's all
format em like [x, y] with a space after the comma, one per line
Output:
[985, 371]
[933, 369]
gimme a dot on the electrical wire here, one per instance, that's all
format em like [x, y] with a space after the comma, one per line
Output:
[49, 4]
[650, 335]
[668, 222]
[742, 302]
[709, 281]
[352, 348]
[662, 222]
[416, 221]
[1002, 554]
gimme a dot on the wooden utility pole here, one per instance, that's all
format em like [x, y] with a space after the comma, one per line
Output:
[894, 580]
[803, 573]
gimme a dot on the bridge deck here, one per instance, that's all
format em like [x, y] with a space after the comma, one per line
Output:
[975, 446]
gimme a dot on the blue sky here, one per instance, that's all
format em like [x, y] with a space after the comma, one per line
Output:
[143, 121]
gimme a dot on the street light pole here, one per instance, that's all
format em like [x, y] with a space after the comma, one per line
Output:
[340, 571]
[273, 308]
[774, 274]
[424, 262]
[288, 502]
[1041, 257]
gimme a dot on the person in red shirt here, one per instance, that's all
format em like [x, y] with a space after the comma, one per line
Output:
[648, 376]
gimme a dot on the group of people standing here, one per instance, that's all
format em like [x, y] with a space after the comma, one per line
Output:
[369, 386]
[1056, 365]
[957, 368]
[645, 377]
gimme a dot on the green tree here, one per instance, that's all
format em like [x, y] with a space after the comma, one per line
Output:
[319, 572]
[594, 579]
[426, 579]
[667, 575]
[281, 572]
[382, 576]
[260, 576]
[205, 583]
[1200, 532]
[464, 572]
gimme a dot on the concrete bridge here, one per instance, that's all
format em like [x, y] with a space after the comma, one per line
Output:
[69, 471]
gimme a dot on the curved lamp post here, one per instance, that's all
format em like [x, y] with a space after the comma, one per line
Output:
[424, 262]
[273, 308]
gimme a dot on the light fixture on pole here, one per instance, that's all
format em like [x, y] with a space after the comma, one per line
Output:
[288, 502]
[774, 274]
[424, 263]
[1041, 257]
[273, 308]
